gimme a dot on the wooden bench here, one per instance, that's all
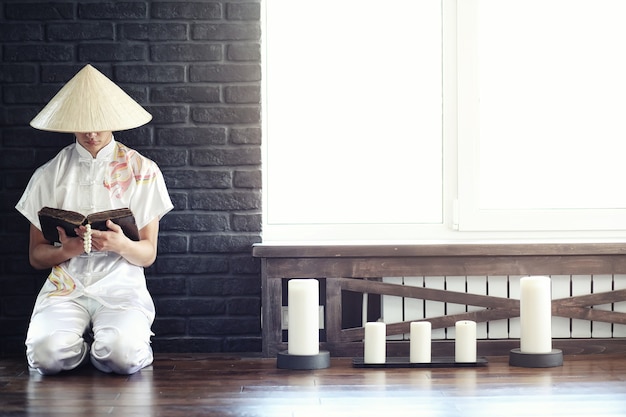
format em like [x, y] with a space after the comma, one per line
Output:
[359, 269]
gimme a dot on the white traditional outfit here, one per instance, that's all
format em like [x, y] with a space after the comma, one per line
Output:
[101, 290]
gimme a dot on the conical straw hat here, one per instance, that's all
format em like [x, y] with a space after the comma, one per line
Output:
[90, 102]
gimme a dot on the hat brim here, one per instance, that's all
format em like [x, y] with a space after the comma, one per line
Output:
[90, 102]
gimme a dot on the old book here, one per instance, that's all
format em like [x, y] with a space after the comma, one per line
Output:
[50, 218]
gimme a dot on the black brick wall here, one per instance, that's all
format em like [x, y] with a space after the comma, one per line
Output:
[196, 67]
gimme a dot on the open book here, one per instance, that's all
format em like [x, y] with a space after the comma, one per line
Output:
[50, 218]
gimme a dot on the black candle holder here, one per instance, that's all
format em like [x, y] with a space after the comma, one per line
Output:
[284, 360]
[536, 360]
[404, 362]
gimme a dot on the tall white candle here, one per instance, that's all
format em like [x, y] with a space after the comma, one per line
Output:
[420, 344]
[465, 343]
[303, 325]
[375, 347]
[535, 315]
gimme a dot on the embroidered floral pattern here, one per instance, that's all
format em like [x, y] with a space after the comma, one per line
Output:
[63, 282]
[127, 166]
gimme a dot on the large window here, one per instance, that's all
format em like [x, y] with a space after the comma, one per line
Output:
[430, 119]
[544, 146]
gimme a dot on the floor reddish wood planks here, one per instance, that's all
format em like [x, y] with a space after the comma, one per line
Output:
[210, 385]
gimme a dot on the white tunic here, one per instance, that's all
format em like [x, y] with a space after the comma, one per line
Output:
[73, 180]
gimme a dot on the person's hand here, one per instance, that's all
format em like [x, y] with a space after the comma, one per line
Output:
[112, 240]
[72, 246]
[140, 253]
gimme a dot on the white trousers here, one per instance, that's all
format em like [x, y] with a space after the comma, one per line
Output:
[121, 338]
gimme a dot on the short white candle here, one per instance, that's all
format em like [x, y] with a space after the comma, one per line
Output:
[303, 323]
[420, 342]
[465, 343]
[375, 347]
[535, 315]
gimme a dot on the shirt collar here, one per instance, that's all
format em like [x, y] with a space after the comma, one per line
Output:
[104, 153]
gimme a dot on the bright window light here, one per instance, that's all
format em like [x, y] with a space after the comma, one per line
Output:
[353, 112]
[552, 105]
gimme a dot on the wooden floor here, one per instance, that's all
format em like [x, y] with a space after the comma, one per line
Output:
[204, 385]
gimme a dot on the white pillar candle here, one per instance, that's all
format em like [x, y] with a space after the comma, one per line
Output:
[465, 342]
[303, 319]
[375, 343]
[420, 342]
[535, 315]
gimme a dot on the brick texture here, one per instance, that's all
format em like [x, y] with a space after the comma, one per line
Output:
[195, 65]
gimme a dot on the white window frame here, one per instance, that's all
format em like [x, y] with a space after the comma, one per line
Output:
[463, 220]
[543, 223]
